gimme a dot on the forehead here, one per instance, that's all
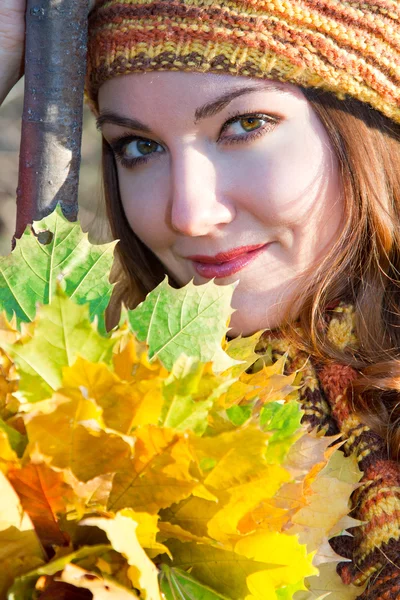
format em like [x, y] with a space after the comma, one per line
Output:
[173, 89]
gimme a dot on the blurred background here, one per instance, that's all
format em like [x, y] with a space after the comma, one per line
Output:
[91, 204]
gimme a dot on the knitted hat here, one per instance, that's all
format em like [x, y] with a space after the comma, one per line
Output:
[348, 47]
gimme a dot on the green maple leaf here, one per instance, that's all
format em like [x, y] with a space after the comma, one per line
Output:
[175, 583]
[59, 250]
[191, 320]
[189, 394]
[63, 332]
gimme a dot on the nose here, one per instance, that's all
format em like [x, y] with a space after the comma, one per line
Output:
[197, 207]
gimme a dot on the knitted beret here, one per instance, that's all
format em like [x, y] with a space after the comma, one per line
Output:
[347, 47]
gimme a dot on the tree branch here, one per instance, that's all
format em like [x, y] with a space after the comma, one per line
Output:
[55, 66]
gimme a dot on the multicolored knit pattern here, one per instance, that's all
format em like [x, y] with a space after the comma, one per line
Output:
[373, 549]
[347, 47]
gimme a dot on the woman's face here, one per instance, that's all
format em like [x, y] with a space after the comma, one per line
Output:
[226, 177]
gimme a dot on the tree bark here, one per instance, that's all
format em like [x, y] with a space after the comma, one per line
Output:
[55, 66]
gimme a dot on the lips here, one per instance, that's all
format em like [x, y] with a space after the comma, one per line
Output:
[224, 264]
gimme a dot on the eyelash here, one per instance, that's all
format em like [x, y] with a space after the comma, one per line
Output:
[119, 144]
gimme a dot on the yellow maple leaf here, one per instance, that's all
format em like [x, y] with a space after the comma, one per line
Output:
[69, 428]
[131, 360]
[92, 494]
[121, 532]
[8, 457]
[326, 501]
[265, 515]
[132, 364]
[288, 560]
[8, 329]
[242, 348]
[242, 498]
[20, 548]
[8, 374]
[147, 530]
[250, 571]
[269, 384]
[170, 530]
[191, 515]
[327, 585]
[118, 400]
[149, 410]
[159, 473]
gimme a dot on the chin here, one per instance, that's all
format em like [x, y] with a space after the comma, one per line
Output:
[257, 309]
[246, 325]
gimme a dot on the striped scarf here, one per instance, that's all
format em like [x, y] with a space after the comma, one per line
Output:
[373, 549]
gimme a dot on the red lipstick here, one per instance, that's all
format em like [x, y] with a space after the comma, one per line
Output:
[224, 264]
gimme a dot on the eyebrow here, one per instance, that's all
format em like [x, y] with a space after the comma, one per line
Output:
[108, 116]
[203, 112]
[212, 108]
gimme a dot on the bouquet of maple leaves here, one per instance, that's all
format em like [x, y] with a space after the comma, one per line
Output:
[156, 460]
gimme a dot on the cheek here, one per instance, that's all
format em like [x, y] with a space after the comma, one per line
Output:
[288, 180]
[144, 199]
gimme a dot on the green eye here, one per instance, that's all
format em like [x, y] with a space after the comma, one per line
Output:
[138, 148]
[247, 124]
[251, 123]
[131, 151]
[146, 146]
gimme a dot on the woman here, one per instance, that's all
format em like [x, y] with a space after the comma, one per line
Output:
[260, 142]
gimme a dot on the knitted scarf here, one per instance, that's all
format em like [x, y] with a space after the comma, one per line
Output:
[373, 549]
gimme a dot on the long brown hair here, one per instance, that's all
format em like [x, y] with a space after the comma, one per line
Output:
[362, 267]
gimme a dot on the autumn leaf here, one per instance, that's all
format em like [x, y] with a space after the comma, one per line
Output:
[288, 560]
[131, 360]
[147, 531]
[101, 588]
[169, 463]
[8, 456]
[92, 494]
[20, 548]
[68, 428]
[331, 487]
[309, 450]
[189, 392]
[63, 332]
[42, 492]
[284, 422]
[243, 349]
[175, 583]
[132, 364]
[241, 479]
[49, 589]
[8, 328]
[159, 473]
[171, 530]
[118, 400]
[24, 586]
[121, 532]
[190, 320]
[327, 585]
[237, 575]
[241, 497]
[266, 385]
[29, 274]
[223, 571]
[16, 439]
